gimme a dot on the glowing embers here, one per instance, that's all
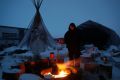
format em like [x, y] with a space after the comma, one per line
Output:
[61, 74]
[63, 71]
[56, 73]
[59, 71]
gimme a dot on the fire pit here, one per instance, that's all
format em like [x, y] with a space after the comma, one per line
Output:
[61, 75]
[68, 70]
[58, 72]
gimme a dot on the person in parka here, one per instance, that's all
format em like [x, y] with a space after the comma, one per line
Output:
[72, 41]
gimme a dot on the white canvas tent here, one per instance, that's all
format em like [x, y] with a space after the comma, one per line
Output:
[37, 37]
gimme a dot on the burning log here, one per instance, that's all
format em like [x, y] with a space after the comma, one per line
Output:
[54, 69]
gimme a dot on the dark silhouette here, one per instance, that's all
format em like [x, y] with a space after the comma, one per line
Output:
[98, 34]
[72, 40]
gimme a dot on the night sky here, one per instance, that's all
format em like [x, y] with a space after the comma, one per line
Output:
[58, 14]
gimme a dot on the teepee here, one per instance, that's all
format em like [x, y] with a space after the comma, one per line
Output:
[37, 37]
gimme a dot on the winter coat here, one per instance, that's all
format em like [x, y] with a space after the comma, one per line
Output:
[72, 39]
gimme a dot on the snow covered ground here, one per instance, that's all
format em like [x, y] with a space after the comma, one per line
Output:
[15, 59]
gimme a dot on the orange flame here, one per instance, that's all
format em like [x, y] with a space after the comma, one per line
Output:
[61, 74]
[64, 69]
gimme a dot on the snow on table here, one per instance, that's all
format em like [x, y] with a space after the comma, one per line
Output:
[62, 52]
[9, 61]
[24, 55]
[11, 70]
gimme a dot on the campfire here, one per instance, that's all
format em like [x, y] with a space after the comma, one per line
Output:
[61, 74]
[58, 71]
